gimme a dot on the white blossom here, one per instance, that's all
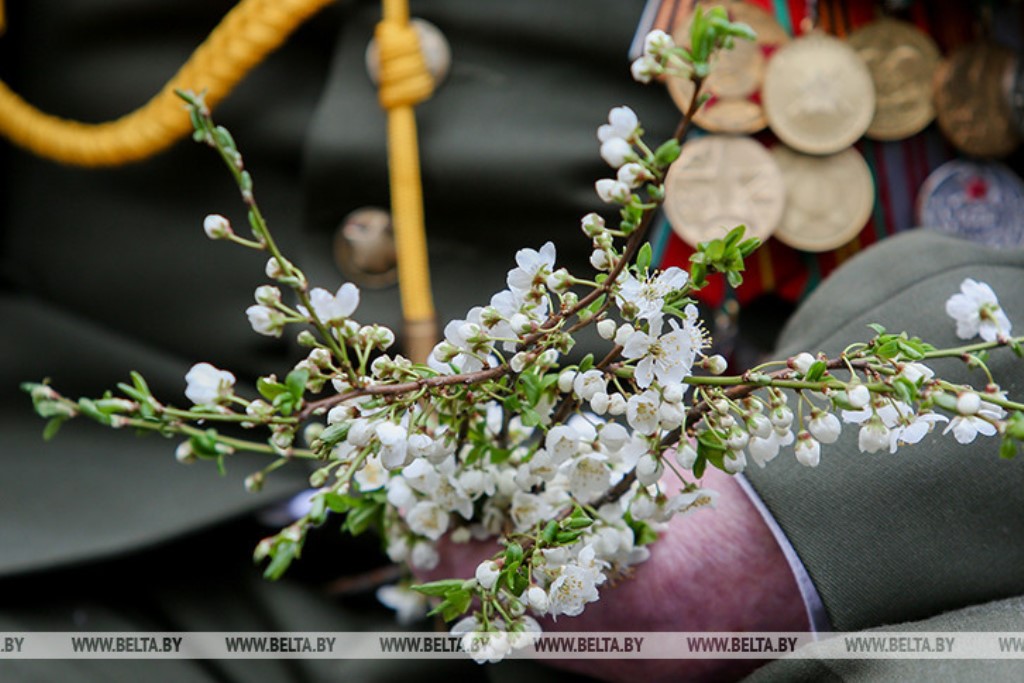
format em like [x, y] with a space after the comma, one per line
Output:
[666, 358]
[588, 478]
[372, 475]
[977, 312]
[575, 586]
[424, 555]
[648, 297]
[537, 599]
[427, 518]
[966, 427]
[533, 268]
[205, 384]
[642, 412]
[408, 604]
[588, 384]
[334, 308]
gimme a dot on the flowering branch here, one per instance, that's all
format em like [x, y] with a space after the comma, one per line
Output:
[497, 437]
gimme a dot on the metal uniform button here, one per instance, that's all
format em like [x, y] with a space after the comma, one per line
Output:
[436, 52]
[364, 248]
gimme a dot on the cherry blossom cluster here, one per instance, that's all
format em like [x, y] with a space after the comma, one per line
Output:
[565, 468]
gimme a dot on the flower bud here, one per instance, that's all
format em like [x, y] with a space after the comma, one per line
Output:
[592, 225]
[184, 453]
[968, 403]
[808, 450]
[825, 427]
[759, 425]
[612, 191]
[686, 456]
[565, 381]
[606, 328]
[648, 469]
[518, 362]
[802, 362]
[537, 599]
[858, 395]
[217, 227]
[616, 404]
[716, 364]
[487, 574]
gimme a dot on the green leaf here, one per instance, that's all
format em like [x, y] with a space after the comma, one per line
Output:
[586, 363]
[438, 588]
[296, 383]
[550, 530]
[361, 518]
[52, 427]
[643, 258]
[667, 153]
[340, 503]
[457, 604]
[699, 465]
[270, 389]
[816, 371]
[879, 330]
[1008, 449]
[282, 555]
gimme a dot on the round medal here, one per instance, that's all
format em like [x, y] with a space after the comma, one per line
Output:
[979, 201]
[828, 198]
[818, 95]
[736, 74]
[902, 60]
[970, 100]
[719, 182]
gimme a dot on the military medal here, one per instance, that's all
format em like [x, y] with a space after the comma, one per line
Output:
[828, 198]
[736, 75]
[719, 182]
[970, 100]
[902, 60]
[818, 95]
[979, 201]
[364, 248]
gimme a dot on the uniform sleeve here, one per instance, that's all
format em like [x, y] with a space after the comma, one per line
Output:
[888, 538]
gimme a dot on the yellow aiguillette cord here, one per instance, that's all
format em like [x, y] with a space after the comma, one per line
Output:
[246, 35]
[404, 82]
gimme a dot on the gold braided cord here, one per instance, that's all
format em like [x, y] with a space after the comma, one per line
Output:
[404, 82]
[246, 35]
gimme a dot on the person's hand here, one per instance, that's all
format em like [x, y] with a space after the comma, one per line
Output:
[713, 570]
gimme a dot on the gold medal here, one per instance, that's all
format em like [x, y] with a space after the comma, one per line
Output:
[719, 182]
[970, 100]
[736, 74]
[818, 95]
[902, 60]
[828, 198]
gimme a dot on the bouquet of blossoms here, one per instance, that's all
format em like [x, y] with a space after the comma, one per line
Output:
[559, 463]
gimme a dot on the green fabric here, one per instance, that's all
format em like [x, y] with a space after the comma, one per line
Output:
[1003, 615]
[889, 538]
